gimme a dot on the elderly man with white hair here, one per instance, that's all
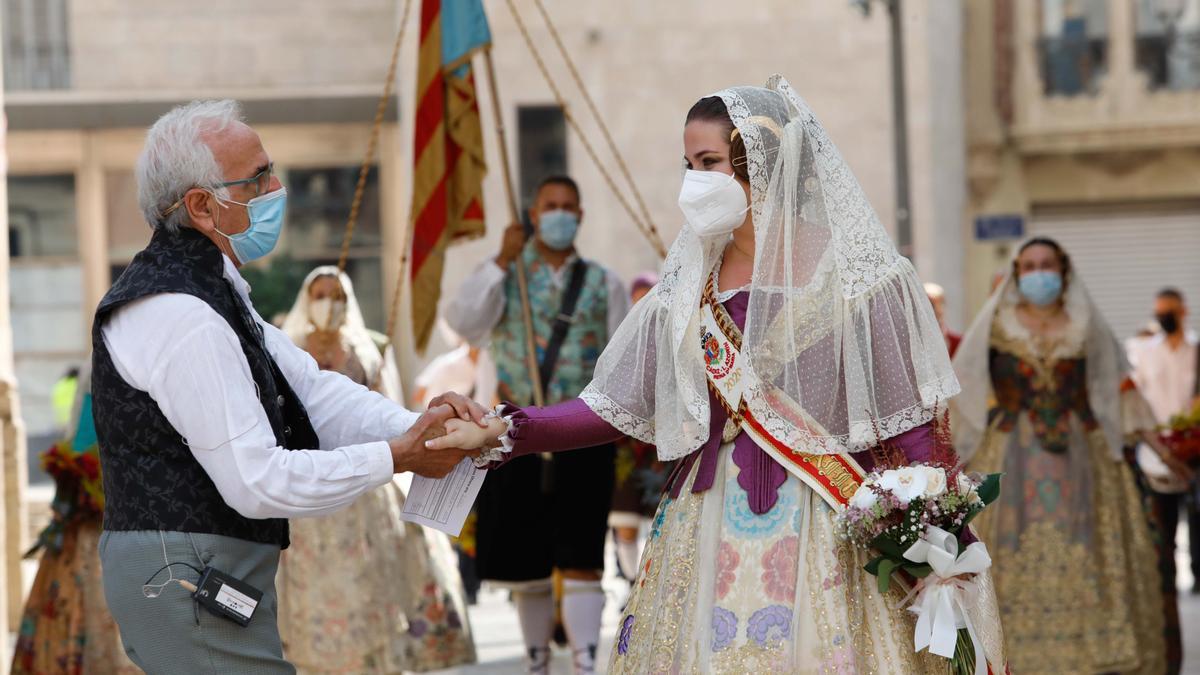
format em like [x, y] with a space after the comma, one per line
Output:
[213, 427]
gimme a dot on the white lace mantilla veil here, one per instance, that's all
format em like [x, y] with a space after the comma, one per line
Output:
[840, 337]
[1106, 366]
[298, 323]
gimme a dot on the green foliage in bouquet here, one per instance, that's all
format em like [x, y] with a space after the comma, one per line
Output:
[952, 511]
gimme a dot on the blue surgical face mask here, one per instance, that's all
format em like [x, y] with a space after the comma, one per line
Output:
[266, 222]
[1041, 287]
[557, 229]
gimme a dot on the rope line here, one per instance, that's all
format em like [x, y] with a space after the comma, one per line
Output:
[646, 228]
[395, 309]
[373, 143]
[591, 104]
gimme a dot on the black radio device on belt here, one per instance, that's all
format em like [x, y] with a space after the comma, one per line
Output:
[226, 596]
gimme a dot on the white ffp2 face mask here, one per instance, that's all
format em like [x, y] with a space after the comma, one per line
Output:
[714, 203]
[327, 313]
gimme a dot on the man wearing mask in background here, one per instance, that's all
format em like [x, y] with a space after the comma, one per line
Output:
[1166, 372]
[572, 492]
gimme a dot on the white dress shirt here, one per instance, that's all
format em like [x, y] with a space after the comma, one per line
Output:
[1166, 377]
[479, 305]
[188, 359]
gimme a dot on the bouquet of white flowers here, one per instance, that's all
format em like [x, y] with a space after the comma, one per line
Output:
[915, 517]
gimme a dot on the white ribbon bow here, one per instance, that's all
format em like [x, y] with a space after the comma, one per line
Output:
[942, 597]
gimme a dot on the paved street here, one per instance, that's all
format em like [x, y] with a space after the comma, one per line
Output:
[498, 637]
[1189, 615]
[1189, 605]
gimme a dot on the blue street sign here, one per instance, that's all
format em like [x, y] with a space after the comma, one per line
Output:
[1007, 226]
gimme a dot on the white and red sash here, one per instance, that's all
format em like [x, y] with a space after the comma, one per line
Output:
[835, 477]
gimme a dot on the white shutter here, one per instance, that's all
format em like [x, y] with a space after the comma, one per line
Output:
[1125, 258]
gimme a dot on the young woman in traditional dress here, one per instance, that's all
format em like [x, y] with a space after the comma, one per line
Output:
[786, 338]
[360, 591]
[1043, 402]
[66, 628]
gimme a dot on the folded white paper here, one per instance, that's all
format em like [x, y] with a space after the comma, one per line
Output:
[444, 503]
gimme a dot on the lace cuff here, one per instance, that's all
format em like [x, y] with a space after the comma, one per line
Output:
[493, 457]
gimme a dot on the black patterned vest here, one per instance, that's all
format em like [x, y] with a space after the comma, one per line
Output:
[151, 479]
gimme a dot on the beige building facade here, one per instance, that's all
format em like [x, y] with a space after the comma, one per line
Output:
[1083, 120]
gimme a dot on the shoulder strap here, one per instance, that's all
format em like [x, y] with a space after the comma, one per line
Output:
[562, 322]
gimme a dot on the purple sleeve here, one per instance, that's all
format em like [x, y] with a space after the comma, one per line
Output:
[565, 426]
[916, 443]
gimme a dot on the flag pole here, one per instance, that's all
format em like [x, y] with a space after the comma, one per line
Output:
[531, 361]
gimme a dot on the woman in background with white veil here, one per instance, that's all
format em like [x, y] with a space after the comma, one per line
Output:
[360, 591]
[786, 339]
[1043, 401]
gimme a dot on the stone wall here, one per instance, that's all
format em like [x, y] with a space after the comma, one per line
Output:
[182, 45]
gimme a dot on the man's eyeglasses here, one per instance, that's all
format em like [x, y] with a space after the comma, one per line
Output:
[260, 180]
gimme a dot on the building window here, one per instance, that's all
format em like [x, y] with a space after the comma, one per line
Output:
[41, 217]
[1168, 43]
[46, 290]
[128, 231]
[36, 53]
[1073, 46]
[318, 203]
[542, 146]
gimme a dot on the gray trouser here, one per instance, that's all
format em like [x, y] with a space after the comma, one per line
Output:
[171, 634]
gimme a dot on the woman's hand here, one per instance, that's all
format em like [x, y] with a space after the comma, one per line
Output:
[464, 434]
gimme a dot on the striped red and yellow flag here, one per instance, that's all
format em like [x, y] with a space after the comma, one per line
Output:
[448, 165]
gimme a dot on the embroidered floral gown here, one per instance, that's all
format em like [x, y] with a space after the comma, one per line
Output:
[66, 628]
[360, 591]
[744, 571]
[1073, 560]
